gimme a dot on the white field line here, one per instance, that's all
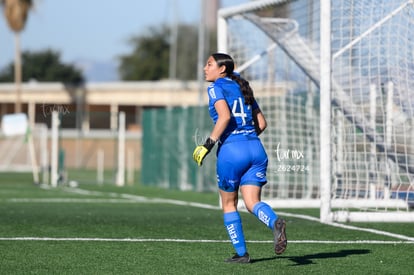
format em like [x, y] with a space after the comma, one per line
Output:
[374, 231]
[129, 198]
[66, 200]
[193, 241]
[350, 227]
[136, 198]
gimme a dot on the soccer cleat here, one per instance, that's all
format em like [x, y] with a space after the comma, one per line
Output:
[245, 259]
[279, 235]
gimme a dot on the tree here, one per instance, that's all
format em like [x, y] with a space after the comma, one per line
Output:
[16, 12]
[149, 59]
[44, 66]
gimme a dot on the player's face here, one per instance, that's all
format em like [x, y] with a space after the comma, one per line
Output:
[212, 71]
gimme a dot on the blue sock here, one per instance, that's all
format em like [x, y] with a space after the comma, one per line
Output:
[265, 214]
[233, 224]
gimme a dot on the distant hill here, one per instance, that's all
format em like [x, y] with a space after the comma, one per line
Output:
[98, 71]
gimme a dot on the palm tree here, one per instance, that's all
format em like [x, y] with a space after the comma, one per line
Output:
[16, 12]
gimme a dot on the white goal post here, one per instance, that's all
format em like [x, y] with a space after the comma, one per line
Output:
[60, 177]
[334, 79]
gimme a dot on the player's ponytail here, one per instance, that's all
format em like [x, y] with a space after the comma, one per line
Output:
[226, 60]
[244, 87]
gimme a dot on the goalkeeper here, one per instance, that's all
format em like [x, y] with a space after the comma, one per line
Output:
[241, 158]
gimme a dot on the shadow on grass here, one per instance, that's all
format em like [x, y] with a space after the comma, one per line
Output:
[308, 259]
[253, 261]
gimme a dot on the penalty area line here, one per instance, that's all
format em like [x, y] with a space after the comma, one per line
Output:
[193, 241]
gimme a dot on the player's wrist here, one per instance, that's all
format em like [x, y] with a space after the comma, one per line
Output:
[209, 144]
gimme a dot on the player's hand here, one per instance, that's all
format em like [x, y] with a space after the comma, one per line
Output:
[200, 152]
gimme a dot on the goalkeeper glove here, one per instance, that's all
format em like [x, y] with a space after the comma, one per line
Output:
[201, 151]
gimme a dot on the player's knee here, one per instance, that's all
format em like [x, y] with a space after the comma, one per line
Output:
[228, 204]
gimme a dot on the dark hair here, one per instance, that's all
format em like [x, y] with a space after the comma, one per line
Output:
[223, 59]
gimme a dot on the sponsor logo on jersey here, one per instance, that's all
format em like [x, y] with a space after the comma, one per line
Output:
[211, 92]
[260, 175]
[243, 131]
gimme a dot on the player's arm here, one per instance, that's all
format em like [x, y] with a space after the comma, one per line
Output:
[259, 121]
[223, 119]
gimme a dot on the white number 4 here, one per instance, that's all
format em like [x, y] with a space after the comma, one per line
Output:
[241, 113]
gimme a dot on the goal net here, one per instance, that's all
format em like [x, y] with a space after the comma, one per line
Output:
[23, 148]
[334, 79]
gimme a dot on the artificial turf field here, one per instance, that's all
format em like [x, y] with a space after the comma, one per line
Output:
[94, 229]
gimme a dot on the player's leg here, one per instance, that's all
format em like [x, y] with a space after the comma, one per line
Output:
[233, 225]
[251, 196]
[263, 211]
[252, 181]
[228, 176]
[251, 186]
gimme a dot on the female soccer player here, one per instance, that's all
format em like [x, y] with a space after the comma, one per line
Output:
[241, 158]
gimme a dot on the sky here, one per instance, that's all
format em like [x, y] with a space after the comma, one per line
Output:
[94, 31]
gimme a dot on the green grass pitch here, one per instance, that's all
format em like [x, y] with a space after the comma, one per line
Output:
[106, 229]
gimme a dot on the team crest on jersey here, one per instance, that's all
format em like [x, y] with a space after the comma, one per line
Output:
[211, 92]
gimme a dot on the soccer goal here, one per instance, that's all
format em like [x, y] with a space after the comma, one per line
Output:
[23, 147]
[91, 156]
[334, 79]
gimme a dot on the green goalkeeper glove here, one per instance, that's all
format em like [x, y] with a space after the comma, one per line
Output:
[201, 151]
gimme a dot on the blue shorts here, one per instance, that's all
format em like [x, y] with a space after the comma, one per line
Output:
[241, 163]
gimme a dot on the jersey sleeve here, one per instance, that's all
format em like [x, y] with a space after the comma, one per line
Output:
[215, 92]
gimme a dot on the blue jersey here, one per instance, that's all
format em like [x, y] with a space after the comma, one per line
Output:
[241, 123]
[241, 157]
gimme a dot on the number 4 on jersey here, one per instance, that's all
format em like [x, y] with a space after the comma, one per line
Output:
[238, 104]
